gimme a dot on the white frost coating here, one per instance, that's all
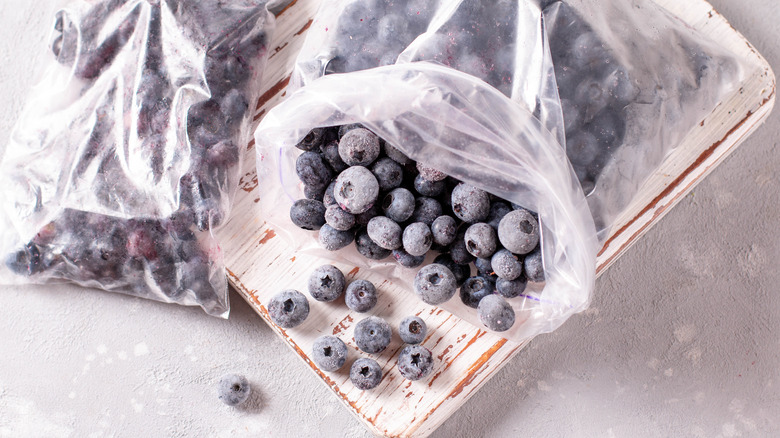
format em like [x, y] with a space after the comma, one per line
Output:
[102, 349]
[141, 349]
[23, 418]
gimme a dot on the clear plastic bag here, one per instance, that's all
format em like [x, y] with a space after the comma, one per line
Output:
[487, 127]
[127, 155]
[633, 81]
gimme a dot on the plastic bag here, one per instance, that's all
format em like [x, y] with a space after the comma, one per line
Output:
[633, 81]
[127, 154]
[452, 121]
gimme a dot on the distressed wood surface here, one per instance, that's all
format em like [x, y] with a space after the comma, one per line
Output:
[260, 264]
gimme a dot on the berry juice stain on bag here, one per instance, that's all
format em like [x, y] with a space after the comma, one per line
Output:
[127, 154]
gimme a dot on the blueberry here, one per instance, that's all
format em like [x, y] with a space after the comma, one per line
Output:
[312, 140]
[233, 390]
[359, 147]
[356, 190]
[385, 232]
[430, 174]
[496, 313]
[426, 210]
[315, 194]
[388, 173]
[312, 170]
[395, 154]
[233, 106]
[435, 284]
[339, 219]
[288, 308]
[368, 248]
[444, 230]
[365, 373]
[461, 272]
[412, 330]
[534, 269]
[391, 29]
[511, 288]
[428, 188]
[333, 239]
[417, 239]
[330, 152]
[326, 283]
[506, 265]
[372, 334]
[343, 129]
[398, 205]
[365, 217]
[329, 353]
[572, 118]
[475, 289]
[327, 198]
[481, 240]
[308, 214]
[415, 362]
[458, 251]
[407, 260]
[361, 296]
[582, 148]
[518, 231]
[469, 203]
[607, 128]
[498, 210]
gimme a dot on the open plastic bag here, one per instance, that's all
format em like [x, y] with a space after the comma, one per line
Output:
[127, 155]
[455, 122]
[633, 81]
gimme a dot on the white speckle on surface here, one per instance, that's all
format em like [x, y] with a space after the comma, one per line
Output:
[653, 363]
[189, 349]
[694, 355]
[102, 349]
[669, 372]
[22, 418]
[138, 407]
[685, 334]
[72, 395]
[698, 432]
[90, 357]
[109, 360]
[730, 430]
[122, 355]
[543, 386]
[141, 349]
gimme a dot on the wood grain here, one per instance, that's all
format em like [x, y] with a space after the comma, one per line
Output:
[260, 263]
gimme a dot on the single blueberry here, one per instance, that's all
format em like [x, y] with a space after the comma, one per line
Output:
[444, 230]
[329, 353]
[470, 204]
[312, 140]
[506, 265]
[288, 308]
[385, 232]
[412, 330]
[428, 188]
[308, 214]
[417, 239]
[333, 239]
[326, 283]
[407, 260]
[426, 210]
[330, 152]
[356, 189]
[511, 288]
[458, 251]
[313, 170]
[474, 289]
[398, 205]
[388, 173]
[481, 240]
[395, 154]
[518, 231]
[582, 148]
[372, 334]
[339, 219]
[365, 373]
[233, 390]
[496, 313]
[498, 209]
[435, 284]
[534, 268]
[360, 296]
[367, 247]
[415, 362]
[359, 147]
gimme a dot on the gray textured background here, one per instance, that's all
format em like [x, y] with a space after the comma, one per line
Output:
[682, 337]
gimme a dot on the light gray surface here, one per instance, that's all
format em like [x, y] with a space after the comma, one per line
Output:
[682, 337]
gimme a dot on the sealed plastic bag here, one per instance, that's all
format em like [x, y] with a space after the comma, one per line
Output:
[633, 81]
[452, 122]
[127, 154]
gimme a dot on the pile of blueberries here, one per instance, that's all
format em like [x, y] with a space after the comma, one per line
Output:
[362, 189]
[151, 257]
[290, 308]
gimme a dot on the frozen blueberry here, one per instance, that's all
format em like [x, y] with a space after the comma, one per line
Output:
[330, 152]
[388, 173]
[415, 362]
[474, 289]
[233, 389]
[315, 193]
[288, 308]
[498, 210]
[359, 147]
[312, 170]
[458, 251]
[412, 330]
[484, 268]
[396, 155]
[308, 214]
[372, 334]
[470, 204]
[365, 217]
[385, 232]
[368, 248]
[506, 265]
[356, 189]
[496, 313]
[444, 230]
[428, 188]
[435, 284]
[361, 296]
[312, 140]
[391, 29]
[326, 283]
[365, 373]
[398, 205]
[407, 260]
[534, 269]
[518, 231]
[327, 198]
[591, 95]
[461, 272]
[417, 239]
[481, 240]
[338, 218]
[333, 239]
[607, 127]
[329, 353]
[426, 210]
[343, 129]
[430, 174]
[511, 288]
[582, 148]
[233, 106]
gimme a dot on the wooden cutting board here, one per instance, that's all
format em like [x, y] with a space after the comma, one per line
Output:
[260, 264]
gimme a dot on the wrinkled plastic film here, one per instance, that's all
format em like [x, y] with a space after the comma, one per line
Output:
[466, 129]
[127, 154]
